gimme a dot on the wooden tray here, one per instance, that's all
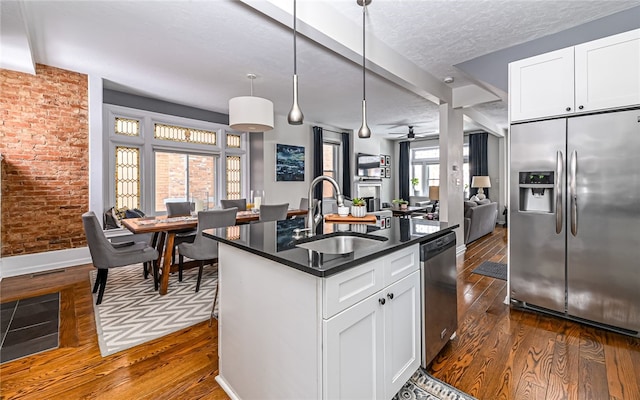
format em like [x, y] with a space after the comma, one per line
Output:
[350, 219]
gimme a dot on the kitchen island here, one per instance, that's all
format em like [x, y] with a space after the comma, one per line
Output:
[296, 323]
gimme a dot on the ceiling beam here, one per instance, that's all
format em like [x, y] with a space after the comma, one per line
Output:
[15, 46]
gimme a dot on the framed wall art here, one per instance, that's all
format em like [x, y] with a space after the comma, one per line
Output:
[289, 163]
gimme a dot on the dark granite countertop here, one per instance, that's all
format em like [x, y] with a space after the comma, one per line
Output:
[274, 240]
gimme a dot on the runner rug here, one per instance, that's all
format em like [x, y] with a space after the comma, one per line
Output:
[492, 269]
[423, 386]
[132, 312]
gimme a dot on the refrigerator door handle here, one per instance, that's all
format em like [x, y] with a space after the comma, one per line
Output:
[558, 189]
[572, 192]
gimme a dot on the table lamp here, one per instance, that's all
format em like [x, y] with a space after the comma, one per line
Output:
[480, 182]
[434, 196]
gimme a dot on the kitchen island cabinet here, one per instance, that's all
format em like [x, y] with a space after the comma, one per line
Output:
[294, 333]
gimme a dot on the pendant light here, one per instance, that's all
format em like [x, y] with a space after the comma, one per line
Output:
[295, 116]
[364, 132]
[249, 113]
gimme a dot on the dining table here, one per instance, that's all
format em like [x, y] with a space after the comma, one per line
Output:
[170, 226]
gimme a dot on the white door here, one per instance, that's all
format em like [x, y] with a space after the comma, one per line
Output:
[402, 332]
[608, 72]
[542, 86]
[353, 352]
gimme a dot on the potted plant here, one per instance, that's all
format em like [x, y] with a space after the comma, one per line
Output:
[415, 182]
[358, 207]
[400, 203]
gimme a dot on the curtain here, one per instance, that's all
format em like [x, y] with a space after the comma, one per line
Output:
[346, 165]
[478, 163]
[403, 171]
[317, 160]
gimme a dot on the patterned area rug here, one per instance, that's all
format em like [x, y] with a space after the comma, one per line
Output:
[423, 386]
[492, 269]
[132, 312]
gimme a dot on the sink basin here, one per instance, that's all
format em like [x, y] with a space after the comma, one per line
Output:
[340, 243]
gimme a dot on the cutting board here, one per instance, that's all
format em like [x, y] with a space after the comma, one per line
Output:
[350, 219]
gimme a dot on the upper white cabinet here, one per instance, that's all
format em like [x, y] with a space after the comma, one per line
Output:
[597, 75]
[608, 72]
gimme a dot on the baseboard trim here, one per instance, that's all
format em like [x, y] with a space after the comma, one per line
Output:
[39, 262]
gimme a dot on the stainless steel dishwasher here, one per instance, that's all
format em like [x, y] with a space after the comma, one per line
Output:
[439, 295]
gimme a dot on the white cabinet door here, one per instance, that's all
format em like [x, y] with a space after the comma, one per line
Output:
[402, 332]
[608, 72]
[353, 352]
[542, 86]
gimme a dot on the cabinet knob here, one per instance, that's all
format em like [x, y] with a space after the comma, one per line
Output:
[581, 107]
[568, 108]
[382, 301]
[390, 296]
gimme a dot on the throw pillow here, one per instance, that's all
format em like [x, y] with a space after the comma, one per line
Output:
[474, 198]
[483, 201]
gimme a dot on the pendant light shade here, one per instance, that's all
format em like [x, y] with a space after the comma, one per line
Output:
[295, 116]
[249, 113]
[364, 132]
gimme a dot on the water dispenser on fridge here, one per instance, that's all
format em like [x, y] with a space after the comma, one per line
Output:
[536, 191]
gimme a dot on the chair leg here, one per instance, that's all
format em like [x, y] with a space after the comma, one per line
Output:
[145, 270]
[102, 274]
[156, 277]
[199, 275]
[180, 262]
[96, 285]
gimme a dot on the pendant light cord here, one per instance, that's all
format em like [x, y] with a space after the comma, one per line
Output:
[295, 63]
[364, 90]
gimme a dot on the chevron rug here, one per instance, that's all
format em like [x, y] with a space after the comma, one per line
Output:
[423, 386]
[132, 312]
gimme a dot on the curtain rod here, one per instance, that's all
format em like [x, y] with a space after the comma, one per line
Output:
[329, 130]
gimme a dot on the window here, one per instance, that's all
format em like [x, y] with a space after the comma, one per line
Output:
[155, 158]
[425, 165]
[127, 177]
[330, 162]
[184, 177]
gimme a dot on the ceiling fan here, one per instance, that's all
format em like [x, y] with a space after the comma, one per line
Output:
[411, 135]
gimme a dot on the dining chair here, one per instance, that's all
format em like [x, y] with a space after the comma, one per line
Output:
[181, 209]
[106, 255]
[240, 204]
[203, 249]
[304, 203]
[273, 212]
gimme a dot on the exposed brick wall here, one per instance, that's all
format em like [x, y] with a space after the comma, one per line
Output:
[44, 138]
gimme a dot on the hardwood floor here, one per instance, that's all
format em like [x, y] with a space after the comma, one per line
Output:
[499, 353]
[506, 353]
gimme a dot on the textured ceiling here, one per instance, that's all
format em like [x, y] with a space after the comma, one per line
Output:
[198, 53]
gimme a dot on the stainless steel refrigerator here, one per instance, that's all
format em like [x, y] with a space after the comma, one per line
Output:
[575, 218]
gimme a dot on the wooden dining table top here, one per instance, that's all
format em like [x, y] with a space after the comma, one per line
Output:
[165, 224]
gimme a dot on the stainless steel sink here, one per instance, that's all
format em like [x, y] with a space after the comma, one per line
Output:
[340, 243]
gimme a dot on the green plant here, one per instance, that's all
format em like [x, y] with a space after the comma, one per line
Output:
[357, 201]
[399, 201]
[415, 181]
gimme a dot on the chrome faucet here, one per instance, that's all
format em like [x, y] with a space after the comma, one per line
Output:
[312, 218]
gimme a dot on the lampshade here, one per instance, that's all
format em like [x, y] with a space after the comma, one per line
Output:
[434, 192]
[249, 113]
[480, 182]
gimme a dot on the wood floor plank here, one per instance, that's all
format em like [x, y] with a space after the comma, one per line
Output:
[500, 352]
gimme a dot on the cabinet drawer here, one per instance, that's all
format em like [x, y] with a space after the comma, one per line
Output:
[400, 264]
[349, 287]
